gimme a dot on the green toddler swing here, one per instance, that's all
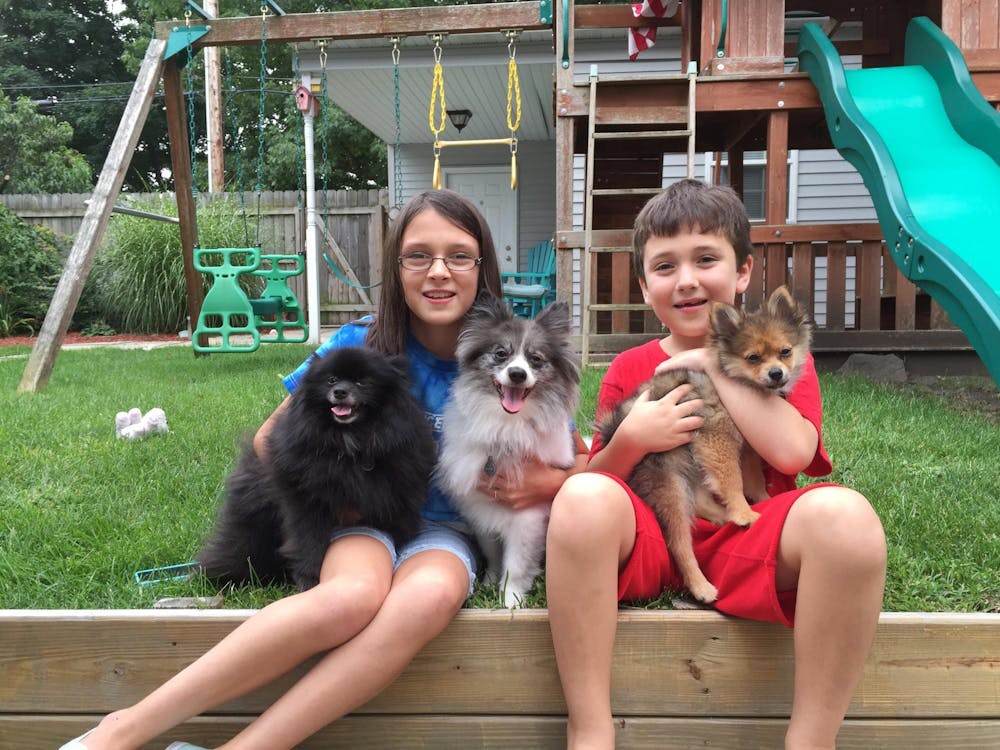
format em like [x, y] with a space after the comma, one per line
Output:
[229, 320]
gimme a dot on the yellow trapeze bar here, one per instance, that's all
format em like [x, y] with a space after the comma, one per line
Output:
[483, 142]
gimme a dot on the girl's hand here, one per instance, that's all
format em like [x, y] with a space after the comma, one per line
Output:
[539, 485]
[663, 424]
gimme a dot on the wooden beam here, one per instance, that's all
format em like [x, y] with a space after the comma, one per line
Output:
[358, 24]
[814, 232]
[565, 137]
[790, 91]
[777, 167]
[759, 234]
[618, 17]
[732, 94]
[187, 213]
[95, 221]
[485, 730]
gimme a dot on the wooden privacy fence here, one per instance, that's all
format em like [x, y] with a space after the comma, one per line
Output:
[681, 679]
[842, 273]
[355, 223]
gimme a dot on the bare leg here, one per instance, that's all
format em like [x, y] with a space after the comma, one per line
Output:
[427, 591]
[591, 533]
[832, 549]
[356, 576]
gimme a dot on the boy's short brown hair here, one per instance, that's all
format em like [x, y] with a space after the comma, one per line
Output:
[692, 206]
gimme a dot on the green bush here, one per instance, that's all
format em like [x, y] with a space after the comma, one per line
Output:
[32, 263]
[138, 276]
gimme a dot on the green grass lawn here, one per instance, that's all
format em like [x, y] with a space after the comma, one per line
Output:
[82, 511]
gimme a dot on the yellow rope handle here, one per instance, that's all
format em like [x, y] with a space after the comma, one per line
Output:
[513, 95]
[437, 95]
[437, 91]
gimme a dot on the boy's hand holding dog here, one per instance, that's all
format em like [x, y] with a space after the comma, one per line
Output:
[700, 359]
[652, 426]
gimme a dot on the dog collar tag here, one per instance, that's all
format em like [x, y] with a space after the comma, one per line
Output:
[490, 468]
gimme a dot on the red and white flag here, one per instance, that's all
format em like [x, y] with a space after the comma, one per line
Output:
[643, 38]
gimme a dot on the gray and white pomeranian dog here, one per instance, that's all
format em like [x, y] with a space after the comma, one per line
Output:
[353, 447]
[514, 399]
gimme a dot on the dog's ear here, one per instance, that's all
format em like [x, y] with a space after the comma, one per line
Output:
[781, 304]
[401, 364]
[487, 307]
[726, 319]
[555, 317]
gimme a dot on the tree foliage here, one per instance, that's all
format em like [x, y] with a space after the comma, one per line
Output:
[35, 156]
[70, 54]
[83, 57]
[32, 261]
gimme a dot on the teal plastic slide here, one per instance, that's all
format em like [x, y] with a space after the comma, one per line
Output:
[927, 145]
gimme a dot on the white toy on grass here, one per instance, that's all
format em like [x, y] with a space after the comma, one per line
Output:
[133, 425]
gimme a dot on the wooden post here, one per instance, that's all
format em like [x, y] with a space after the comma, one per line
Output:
[95, 221]
[180, 161]
[565, 128]
[213, 112]
[776, 213]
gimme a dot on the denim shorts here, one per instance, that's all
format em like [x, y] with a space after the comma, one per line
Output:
[450, 536]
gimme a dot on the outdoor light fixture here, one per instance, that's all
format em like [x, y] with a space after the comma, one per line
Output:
[459, 118]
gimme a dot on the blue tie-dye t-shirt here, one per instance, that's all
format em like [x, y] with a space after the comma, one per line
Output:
[430, 379]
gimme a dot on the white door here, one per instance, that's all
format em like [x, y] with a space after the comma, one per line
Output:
[489, 189]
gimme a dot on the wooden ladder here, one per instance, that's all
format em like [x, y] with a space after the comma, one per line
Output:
[639, 132]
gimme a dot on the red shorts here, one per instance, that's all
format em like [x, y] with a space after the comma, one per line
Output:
[739, 562]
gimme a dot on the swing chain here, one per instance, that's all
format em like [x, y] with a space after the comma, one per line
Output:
[236, 142]
[192, 136]
[299, 137]
[324, 120]
[397, 159]
[261, 119]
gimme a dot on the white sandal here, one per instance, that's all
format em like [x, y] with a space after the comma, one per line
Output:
[77, 744]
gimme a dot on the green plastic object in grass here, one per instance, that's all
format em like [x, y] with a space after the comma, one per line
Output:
[927, 145]
[226, 317]
[278, 310]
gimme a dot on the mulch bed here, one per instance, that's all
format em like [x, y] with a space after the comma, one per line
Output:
[77, 338]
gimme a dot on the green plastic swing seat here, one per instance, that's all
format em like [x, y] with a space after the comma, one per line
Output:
[226, 316]
[278, 309]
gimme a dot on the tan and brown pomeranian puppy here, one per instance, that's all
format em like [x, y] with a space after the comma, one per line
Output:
[714, 474]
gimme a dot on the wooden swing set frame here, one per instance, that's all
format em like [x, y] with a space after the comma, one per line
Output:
[223, 32]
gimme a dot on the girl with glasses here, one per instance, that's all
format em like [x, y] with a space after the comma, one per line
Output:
[376, 606]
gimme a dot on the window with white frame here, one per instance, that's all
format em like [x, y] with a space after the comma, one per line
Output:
[755, 181]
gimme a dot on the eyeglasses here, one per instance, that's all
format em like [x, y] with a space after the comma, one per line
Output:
[423, 261]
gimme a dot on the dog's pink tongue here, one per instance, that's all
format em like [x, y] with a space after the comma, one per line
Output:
[513, 399]
[341, 411]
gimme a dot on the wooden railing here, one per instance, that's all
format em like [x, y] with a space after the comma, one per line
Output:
[858, 298]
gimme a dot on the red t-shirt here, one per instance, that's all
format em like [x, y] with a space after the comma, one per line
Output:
[635, 366]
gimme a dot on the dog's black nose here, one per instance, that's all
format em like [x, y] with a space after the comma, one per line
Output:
[340, 393]
[517, 374]
[776, 374]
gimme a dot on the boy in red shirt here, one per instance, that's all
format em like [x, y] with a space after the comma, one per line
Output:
[814, 560]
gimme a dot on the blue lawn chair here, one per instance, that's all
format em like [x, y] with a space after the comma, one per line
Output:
[530, 290]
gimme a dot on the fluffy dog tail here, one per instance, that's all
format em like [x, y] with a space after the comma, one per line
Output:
[244, 545]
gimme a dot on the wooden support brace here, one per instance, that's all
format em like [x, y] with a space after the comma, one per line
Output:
[95, 221]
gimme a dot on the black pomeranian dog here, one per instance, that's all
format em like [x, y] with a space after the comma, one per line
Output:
[352, 447]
